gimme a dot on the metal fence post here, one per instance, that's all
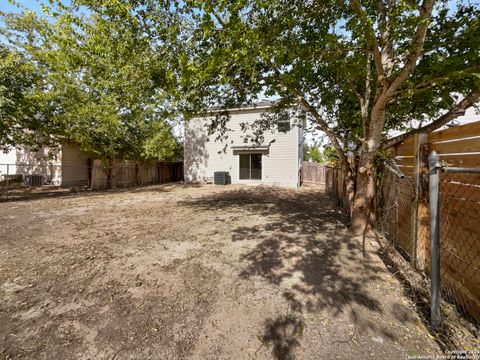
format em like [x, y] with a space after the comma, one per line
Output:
[8, 173]
[434, 181]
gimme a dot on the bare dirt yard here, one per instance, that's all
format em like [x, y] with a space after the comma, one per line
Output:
[186, 272]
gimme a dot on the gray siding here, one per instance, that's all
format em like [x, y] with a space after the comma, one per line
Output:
[203, 155]
[74, 166]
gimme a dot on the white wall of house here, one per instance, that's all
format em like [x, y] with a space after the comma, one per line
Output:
[64, 165]
[46, 162]
[203, 155]
[7, 162]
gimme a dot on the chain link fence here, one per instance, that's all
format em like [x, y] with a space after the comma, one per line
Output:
[402, 216]
[459, 216]
[402, 219]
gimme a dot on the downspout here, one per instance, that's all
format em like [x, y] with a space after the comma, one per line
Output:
[185, 125]
[299, 144]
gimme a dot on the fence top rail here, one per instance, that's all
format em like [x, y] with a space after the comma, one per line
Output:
[30, 164]
[462, 170]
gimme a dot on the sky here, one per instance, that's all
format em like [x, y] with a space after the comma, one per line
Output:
[5, 5]
[34, 5]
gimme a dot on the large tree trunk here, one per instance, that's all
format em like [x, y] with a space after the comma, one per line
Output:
[364, 195]
[111, 174]
[349, 187]
[362, 210]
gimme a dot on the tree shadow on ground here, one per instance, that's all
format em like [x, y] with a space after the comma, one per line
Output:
[31, 194]
[452, 334]
[301, 245]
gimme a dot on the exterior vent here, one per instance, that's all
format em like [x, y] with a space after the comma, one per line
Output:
[221, 178]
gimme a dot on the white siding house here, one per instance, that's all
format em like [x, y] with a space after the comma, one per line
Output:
[65, 165]
[276, 161]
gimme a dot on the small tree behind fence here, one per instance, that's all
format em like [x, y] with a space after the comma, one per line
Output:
[402, 208]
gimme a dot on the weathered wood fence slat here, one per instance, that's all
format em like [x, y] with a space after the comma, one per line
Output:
[313, 173]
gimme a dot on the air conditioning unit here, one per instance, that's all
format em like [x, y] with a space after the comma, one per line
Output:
[34, 180]
[221, 178]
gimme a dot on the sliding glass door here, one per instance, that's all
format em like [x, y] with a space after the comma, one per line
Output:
[256, 166]
[250, 166]
[244, 166]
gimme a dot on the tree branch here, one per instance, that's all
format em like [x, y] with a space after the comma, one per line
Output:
[209, 8]
[458, 110]
[357, 8]
[219, 19]
[416, 47]
[322, 124]
[386, 41]
[433, 83]
[365, 100]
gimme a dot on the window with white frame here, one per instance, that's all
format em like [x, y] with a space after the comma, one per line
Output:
[283, 123]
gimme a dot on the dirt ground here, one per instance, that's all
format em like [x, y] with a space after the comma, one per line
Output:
[196, 272]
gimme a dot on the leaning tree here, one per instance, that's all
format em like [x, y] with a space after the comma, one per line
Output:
[357, 69]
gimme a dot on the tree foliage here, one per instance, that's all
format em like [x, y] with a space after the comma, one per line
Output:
[312, 153]
[20, 117]
[357, 69]
[317, 154]
[104, 86]
[322, 56]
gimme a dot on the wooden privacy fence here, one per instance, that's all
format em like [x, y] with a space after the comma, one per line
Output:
[132, 173]
[402, 208]
[459, 199]
[313, 173]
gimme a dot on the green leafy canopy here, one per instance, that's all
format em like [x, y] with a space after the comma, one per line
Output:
[103, 83]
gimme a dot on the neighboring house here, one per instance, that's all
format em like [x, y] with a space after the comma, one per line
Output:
[276, 161]
[65, 165]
